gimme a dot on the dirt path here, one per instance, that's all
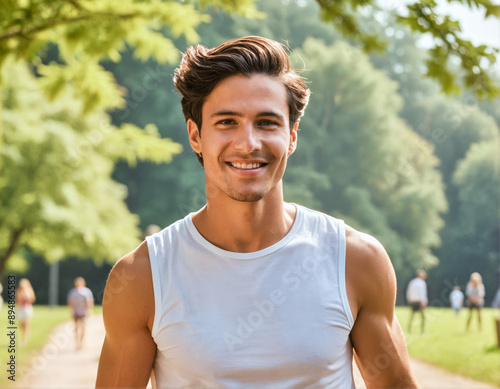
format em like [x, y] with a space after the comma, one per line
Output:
[60, 365]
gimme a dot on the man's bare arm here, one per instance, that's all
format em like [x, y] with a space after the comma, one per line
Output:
[379, 345]
[128, 309]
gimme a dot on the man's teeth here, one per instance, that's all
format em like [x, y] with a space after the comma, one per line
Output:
[246, 165]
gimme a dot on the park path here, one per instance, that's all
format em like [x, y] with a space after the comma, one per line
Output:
[60, 365]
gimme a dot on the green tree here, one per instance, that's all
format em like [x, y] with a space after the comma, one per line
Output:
[356, 159]
[474, 235]
[421, 17]
[57, 196]
[452, 127]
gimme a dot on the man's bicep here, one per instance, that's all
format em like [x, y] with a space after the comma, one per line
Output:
[129, 350]
[377, 338]
[380, 351]
[126, 362]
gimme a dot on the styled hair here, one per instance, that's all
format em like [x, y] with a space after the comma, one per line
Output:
[201, 69]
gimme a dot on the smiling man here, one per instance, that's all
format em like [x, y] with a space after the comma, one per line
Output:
[250, 291]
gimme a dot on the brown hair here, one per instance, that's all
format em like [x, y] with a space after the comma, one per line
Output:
[201, 69]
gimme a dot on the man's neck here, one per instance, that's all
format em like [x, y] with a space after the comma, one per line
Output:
[245, 226]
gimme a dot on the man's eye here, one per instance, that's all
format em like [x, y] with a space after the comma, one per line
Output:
[226, 122]
[268, 123]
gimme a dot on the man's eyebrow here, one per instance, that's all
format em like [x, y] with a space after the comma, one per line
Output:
[271, 113]
[239, 114]
[226, 113]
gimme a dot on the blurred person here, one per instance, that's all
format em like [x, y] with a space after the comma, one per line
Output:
[416, 295]
[25, 297]
[250, 291]
[81, 301]
[456, 299]
[475, 298]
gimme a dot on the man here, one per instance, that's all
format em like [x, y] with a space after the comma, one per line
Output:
[416, 295]
[81, 301]
[250, 291]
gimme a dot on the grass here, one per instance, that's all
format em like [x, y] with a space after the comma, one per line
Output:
[445, 343]
[43, 322]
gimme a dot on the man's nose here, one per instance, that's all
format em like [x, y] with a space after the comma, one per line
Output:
[247, 139]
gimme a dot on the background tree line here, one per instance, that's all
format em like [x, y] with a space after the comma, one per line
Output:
[380, 146]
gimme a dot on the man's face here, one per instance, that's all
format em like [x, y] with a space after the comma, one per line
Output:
[245, 138]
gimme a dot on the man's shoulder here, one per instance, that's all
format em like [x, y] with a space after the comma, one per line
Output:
[136, 262]
[369, 271]
[131, 273]
[130, 285]
[364, 249]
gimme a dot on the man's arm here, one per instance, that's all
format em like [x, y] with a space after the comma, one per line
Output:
[128, 308]
[378, 341]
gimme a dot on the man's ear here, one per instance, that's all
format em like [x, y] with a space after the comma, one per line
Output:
[194, 136]
[293, 139]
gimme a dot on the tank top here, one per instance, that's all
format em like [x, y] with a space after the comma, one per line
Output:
[274, 318]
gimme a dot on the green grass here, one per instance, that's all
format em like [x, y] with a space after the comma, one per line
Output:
[43, 323]
[445, 343]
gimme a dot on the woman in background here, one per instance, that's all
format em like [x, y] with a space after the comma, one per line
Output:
[475, 297]
[25, 297]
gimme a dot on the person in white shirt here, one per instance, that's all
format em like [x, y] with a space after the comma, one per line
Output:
[456, 299]
[416, 295]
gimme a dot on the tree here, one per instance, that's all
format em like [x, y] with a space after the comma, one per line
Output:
[357, 160]
[453, 127]
[421, 17]
[57, 196]
[474, 235]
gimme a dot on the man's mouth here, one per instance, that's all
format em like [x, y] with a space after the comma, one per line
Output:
[245, 166]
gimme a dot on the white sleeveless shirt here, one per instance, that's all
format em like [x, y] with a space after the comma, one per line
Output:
[274, 318]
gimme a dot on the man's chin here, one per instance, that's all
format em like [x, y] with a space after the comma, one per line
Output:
[247, 197]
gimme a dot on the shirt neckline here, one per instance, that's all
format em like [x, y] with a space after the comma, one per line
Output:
[246, 256]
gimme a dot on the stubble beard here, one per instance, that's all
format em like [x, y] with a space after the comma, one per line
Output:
[246, 197]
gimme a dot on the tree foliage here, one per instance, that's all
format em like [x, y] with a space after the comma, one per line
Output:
[369, 167]
[453, 127]
[421, 17]
[56, 192]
